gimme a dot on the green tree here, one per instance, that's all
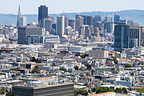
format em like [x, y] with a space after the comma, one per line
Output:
[86, 84]
[81, 75]
[88, 67]
[2, 91]
[103, 90]
[84, 55]
[35, 69]
[93, 89]
[33, 59]
[80, 91]
[53, 64]
[128, 65]
[77, 54]
[117, 90]
[38, 60]
[124, 90]
[88, 73]
[63, 69]
[15, 69]
[11, 94]
[141, 91]
[121, 90]
[115, 60]
[76, 67]
[132, 73]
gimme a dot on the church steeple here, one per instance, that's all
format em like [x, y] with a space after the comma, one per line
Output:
[18, 16]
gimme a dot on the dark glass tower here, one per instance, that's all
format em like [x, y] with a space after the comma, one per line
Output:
[42, 13]
[121, 36]
[116, 18]
[89, 20]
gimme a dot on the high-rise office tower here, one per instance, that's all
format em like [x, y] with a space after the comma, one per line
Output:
[97, 24]
[48, 24]
[66, 21]
[109, 18]
[97, 21]
[24, 32]
[22, 36]
[135, 37]
[121, 33]
[71, 23]
[42, 13]
[79, 22]
[60, 26]
[54, 26]
[116, 18]
[108, 27]
[97, 18]
[87, 31]
[19, 16]
[84, 19]
[23, 21]
[142, 37]
[89, 20]
[84, 31]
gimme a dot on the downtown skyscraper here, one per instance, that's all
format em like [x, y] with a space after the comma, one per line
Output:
[42, 14]
[18, 17]
[21, 21]
[121, 35]
[116, 18]
[60, 28]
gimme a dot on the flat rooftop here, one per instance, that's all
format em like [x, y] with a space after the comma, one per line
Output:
[29, 87]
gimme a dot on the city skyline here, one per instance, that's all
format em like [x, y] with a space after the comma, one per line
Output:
[57, 6]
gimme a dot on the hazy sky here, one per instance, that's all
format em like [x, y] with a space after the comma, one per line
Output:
[60, 6]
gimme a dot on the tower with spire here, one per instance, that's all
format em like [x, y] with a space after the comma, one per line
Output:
[18, 16]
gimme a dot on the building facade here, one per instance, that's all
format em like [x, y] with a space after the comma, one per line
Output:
[121, 33]
[135, 37]
[53, 90]
[48, 24]
[108, 27]
[60, 28]
[42, 13]
[24, 32]
[71, 23]
[116, 18]
[23, 21]
[79, 22]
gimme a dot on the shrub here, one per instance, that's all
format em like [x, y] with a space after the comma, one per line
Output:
[35, 69]
[2, 91]
[63, 69]
[121, 90]
[128, 65]
[80, 91]
[76, 67]
[11, 94]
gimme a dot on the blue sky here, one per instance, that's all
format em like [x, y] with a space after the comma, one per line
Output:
[60, 6]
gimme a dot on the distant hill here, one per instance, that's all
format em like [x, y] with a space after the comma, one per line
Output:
[136, 15]
[10, 19]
